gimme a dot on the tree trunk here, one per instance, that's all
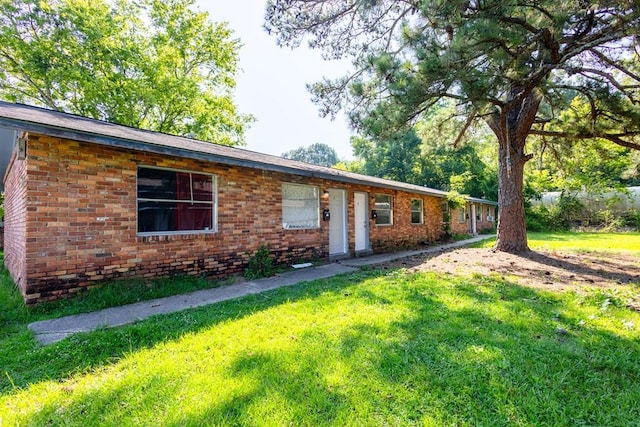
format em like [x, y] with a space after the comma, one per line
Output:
[512, 230]
[512, 125]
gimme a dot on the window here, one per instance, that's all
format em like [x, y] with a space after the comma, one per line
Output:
[300, 206]
[175, 201]
[416, 211]
[446, 215]
[490, 211]
[384, 209]
[479, 213]
[462, 214]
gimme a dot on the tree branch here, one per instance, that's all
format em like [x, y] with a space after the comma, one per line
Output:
[615, 138]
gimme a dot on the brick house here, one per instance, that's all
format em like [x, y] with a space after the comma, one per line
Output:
[87, 200]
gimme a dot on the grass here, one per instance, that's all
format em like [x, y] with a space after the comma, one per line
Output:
[120, 292]
[369, 348]
[579, 242]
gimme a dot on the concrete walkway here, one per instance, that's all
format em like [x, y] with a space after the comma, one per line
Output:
[54, 330]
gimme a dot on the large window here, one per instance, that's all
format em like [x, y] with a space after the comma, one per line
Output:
[300, 206]
[175, 201]
[384, 209]
[416, 211]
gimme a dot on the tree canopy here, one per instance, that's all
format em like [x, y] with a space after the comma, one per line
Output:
[158, 65]
[515, 65]
[317, 154]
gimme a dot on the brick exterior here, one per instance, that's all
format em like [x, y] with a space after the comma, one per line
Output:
[70, 219]
[482, 224]
[15, 221]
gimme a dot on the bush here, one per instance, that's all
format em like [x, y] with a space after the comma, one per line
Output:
[567, 212]
[632, 219]
[609, 221]
[539, 218]
[260, 264]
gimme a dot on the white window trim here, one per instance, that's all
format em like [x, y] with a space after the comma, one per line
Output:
[444, 206]
[390, 209]
[421, 211]
[214, 213]
[286, 226]
[462, 215]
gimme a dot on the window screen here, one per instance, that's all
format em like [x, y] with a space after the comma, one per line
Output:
[300, 206]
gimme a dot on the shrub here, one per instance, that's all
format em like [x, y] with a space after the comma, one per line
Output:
[260, 264]
[632, 219]
[609, 220]
[539, 218]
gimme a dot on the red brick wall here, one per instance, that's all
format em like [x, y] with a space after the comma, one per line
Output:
[81, 206]
[15, 220]
[402, 234]
[482, 224]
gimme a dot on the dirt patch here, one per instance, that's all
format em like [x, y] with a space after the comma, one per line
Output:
[542, 270]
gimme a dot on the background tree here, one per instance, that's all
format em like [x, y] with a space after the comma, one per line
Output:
[511, 64]
[425, 156]
[396, 158]
[152, 64]
[316, 154]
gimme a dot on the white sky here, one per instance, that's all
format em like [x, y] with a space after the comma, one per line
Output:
[271, 84]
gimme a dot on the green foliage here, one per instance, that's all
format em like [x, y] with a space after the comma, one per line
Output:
[596, 166]
[609, 220]
[426, 156]
[260, 264]
[567, 213]
[632, 219]
[316, 154]
[396, 158]
[152, 64]
[455, 199]
[539, 218]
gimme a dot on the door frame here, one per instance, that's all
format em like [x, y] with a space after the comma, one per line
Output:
[343, 225]
[364, 222]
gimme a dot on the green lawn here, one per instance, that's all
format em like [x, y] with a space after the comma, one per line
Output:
[370, 348]
[580, 242]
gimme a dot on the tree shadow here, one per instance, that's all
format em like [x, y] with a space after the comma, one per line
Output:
[448, 352]
[24, 361]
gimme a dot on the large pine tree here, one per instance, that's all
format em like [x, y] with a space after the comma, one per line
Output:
[511, 64]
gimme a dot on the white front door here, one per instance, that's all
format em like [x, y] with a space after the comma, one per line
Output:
[361, 221]
[474, 226]
[338, 222]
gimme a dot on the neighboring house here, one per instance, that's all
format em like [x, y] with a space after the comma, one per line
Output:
[87, 200]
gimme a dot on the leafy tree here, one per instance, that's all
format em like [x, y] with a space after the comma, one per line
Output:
[566, 164]
[152, 64]
[513, 65]
[316, 154]
[396, 158]
[455, 161]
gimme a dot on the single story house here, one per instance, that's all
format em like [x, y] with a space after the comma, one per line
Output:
[87, 200]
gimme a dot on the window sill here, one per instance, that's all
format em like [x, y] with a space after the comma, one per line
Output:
[174, 235]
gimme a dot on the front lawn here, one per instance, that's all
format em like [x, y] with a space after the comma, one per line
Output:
[370, 348]
[579, 242]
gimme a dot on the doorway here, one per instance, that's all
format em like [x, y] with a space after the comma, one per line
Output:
[338, 222]
[361, 222]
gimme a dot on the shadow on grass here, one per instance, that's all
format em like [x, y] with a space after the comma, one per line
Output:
[87, 351]
[412, 349]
